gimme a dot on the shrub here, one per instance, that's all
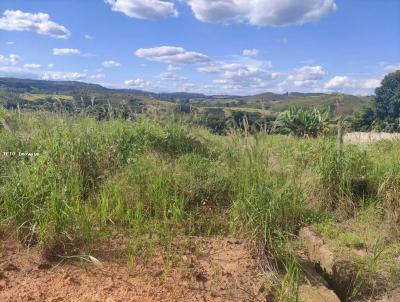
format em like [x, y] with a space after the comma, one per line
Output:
[303, 123]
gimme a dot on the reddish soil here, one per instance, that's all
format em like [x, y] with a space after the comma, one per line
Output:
[220, 270]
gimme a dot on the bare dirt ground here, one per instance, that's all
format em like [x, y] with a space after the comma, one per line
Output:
[221, 270]
[368, 137]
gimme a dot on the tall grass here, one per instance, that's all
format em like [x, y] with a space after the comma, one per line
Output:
[154, 181]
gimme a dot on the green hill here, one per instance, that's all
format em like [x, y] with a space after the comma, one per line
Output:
[28, 93]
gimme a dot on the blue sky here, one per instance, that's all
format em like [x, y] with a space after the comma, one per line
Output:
[209, 46]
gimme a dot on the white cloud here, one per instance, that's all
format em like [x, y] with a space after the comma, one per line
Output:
[338, 82]
[16, 71]
[307, 76]
[62, 76]
[218, 68]
[251, 52]
[32, 66]
[171, 54]
[370, 83]
[246, 63]
[242, 75]
[144, 9]
[246, 76]
[347, 85]
[89, 37]
[35, 72]
[261, 12]
[170, 76]
[65, 51]
[111, 64]
[10, 43]
[137, 83]
[50, 66]
[39, 23]
[11, 59]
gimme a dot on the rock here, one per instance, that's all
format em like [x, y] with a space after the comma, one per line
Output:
[316, 248]
[316, 289]
[309, 293]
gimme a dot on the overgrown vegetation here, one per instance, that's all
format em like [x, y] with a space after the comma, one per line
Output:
[154, 180]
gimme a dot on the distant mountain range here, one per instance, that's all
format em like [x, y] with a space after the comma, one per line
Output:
[270, 102]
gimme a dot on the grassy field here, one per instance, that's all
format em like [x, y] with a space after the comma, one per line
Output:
[152, 181]
[40, 96]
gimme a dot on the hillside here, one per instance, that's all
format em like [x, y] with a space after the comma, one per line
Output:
[35, 90]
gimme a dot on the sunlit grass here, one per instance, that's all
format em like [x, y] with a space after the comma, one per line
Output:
[151, 181]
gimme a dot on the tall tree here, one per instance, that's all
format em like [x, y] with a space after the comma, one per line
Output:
[387, 100]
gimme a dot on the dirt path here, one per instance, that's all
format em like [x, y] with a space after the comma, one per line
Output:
[221, 270]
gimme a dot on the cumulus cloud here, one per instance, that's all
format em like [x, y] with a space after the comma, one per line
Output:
[32, 66]
[65, 51]
[144, 9]
[40, 23]
[246, 76]
[251, 52]
[137, 83]
[111, 64]
[11, 59]
[89, 37]
[370, 83]
[338, 82]
[348, 85]
[261, 12]
[171, 54]
[241, 75]
[307, 76]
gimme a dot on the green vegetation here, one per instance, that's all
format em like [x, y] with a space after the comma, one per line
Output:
[218, 113]
[383, 113]
[92, 163]
[303, 123]
[155, 180]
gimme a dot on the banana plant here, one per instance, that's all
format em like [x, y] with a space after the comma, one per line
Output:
[303, 122]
